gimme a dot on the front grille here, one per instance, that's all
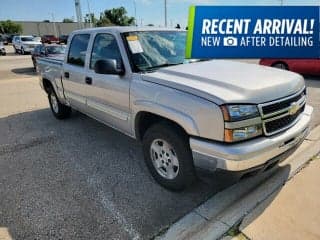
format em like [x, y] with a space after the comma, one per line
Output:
[282, 104]
[281, 123]
[279, 115]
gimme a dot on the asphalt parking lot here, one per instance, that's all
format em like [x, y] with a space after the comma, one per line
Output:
[78, 179]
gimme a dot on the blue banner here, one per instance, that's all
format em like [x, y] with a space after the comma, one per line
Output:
[253, 32]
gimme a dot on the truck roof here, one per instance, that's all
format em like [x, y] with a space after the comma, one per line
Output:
[120, 29]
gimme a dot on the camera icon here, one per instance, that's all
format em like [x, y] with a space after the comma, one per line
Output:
[230, 42]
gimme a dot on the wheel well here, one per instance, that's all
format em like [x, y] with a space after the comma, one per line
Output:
[280, 62]
[145, 120]
[47, 85]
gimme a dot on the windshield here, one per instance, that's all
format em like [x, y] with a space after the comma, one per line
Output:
[56, 49]
[26, 39]
[155, 49]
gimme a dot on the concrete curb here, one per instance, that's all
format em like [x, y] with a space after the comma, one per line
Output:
[215, 217]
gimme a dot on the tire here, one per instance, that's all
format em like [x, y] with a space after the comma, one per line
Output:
[282, 66]
[174, 154]
[22, 51]
[15, 50]
[34, 64]
[59, 110]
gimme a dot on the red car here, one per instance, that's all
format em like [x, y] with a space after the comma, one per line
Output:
[49, 39]
[302, 66]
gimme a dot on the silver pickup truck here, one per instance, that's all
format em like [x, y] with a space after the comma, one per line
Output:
[189, 114]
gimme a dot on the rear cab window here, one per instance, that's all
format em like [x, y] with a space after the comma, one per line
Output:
[78, 49]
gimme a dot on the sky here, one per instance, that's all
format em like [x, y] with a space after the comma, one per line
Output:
[147, 11]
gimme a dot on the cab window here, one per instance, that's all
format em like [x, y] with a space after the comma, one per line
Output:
[78, 49]
[105, 46]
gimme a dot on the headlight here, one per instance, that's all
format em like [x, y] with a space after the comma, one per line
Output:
[233, 113]
[242, 122]
[239, 134]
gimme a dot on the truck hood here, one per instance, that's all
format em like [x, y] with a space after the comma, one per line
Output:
[223, 81]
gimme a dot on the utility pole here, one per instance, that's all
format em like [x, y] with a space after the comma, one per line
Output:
[165, 13]
[135, 12]
[54, 25]
[79, 13]
[90, 16]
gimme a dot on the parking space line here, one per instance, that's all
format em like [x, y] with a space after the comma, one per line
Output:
[108, 205]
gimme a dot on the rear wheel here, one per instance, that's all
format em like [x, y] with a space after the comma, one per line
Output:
[59, 110]
[282, 66]
[168, 156]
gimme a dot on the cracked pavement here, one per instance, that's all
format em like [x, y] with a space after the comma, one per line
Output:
[78, 179]
[75, 179]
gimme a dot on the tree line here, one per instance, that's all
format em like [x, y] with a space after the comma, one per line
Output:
[114, 16]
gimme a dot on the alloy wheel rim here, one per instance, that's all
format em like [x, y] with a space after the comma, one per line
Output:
[164, 159]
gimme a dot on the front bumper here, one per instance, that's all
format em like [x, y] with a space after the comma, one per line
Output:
[209, 155]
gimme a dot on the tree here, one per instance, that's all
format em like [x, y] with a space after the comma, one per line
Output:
[150, 25]
[67, 20]
[47, 21]
[10, 27]
[115, 16]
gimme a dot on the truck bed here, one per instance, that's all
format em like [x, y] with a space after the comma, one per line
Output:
[50, 68]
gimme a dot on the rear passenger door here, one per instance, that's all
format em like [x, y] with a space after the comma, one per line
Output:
[74, 71]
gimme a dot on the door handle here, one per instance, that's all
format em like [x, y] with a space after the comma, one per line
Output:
[66, 75]
[88, 80]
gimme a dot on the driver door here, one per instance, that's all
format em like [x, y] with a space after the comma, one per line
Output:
[108, 94]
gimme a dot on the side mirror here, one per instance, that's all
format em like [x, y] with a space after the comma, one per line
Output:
[108, 66]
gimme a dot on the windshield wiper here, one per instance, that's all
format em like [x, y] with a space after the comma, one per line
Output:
[162, 65]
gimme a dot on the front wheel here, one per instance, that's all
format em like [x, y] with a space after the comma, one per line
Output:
[59, 110]
[22, 51]
[168, 156]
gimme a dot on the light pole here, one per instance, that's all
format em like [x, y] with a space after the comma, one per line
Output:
[165, 13]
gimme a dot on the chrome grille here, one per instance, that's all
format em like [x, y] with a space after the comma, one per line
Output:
[283, 113]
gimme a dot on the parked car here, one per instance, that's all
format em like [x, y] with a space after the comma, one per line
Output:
[63, 39]
[24, 44]
[4, 39]
[10, 37]
[46, 51]
[37, 39]
[2, 49]
[302, 66]
[189, 115]
[49, 39]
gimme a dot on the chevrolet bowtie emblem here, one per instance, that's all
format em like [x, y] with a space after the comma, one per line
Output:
[294, 107]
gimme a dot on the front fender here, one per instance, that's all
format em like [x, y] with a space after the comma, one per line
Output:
[182, 119]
